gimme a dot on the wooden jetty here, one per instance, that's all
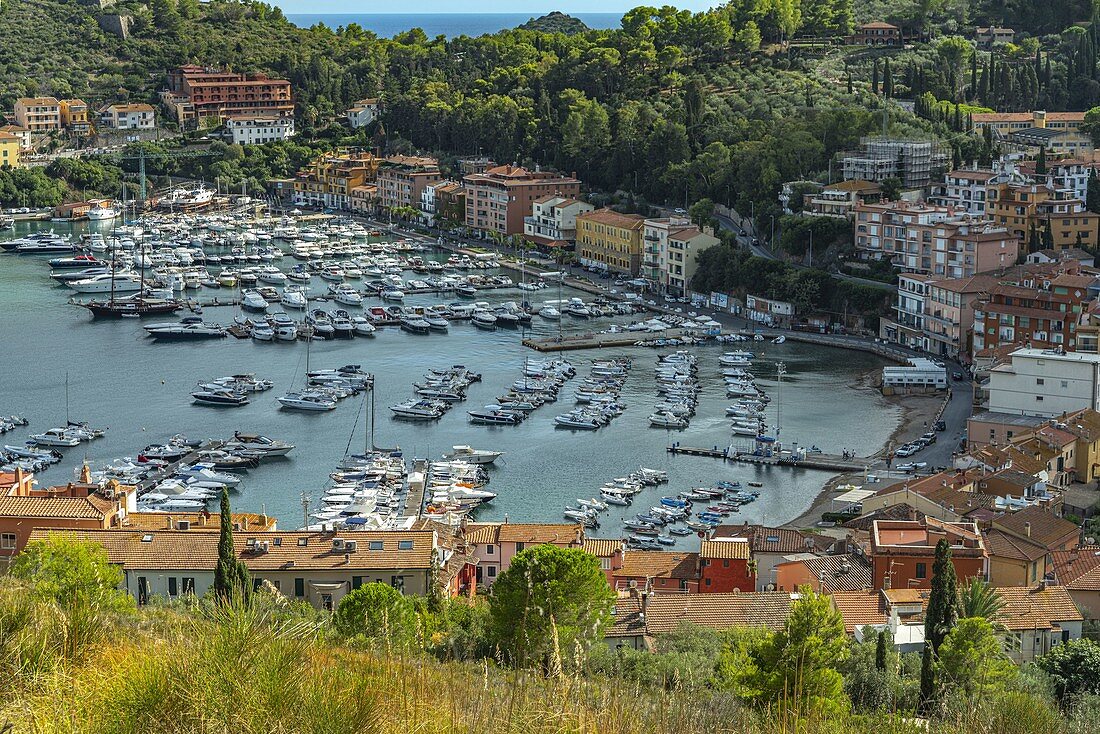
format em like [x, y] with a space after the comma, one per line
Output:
[418, 482]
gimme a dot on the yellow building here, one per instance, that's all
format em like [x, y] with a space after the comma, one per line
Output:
[612, 240]
[1058, 132]
[329, 179]
[9, 150]
[74, 115]
[1027, 210]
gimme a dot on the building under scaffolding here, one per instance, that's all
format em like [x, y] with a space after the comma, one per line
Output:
[913, 161]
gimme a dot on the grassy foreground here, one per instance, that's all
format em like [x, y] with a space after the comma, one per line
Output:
[250, 670]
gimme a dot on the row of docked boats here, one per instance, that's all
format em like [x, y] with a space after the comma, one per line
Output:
[11, 422]
[598, 396]
[617, 492]
[436, 393]
[539, 384]
[455, 487]
[677, 515]
[678, 390]
[747, 412]
[67, 436]
[325, 388]
[369, 491]
[232, 391]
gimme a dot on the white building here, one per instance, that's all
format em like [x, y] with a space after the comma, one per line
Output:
[258, 130]
[670, 247]
[768, 311]
[128, 117]
[1045, 382]
[920, 373]
[963, 191]
[554, 219]
[364, 112]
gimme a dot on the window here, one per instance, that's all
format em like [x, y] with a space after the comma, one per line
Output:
[1039, 381]
[706, 582]
[398, 582]
[356, 582]
[7, 541]
[299, 587]
[519, 547]
[725, 563]
[490, 550]
[173, 588]
[188, 585]
[404, 545]
[922, 571]
[492, 571]
[302, 541]
[1039, 398]
[375, 545]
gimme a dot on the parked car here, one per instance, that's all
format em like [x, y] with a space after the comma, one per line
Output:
[930, 437]
[956, 375]
[941, 425]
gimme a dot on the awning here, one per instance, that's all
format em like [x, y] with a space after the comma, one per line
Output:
[333, 586]
[854, 495]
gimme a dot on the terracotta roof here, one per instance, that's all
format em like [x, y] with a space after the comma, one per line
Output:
[665, 612]
[763, 539]
[659, 564]
[138, 107]
[613, 218]
[1084, 424]
[554, 533]
[483, 533]
[900, 511]
[602, 547]
[1038, 608]
[8, 136]
[906, 596]
[67, 508]
[980, 117]
[174, 549]
[1078, 569]
[161, 520]
[972, 175]
[859, 608]
[1001, 544]
[1039, 525]
[839, 573]
[878, 24]
[725, 549]
[855, 184]
[37, 101]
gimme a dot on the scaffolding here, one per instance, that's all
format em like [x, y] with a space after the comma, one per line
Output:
[912, 160]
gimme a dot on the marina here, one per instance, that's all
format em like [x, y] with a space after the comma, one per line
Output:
[141, 388]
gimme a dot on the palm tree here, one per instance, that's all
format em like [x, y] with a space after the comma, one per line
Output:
[979, 599]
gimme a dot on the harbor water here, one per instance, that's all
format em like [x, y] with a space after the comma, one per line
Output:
[118, 378]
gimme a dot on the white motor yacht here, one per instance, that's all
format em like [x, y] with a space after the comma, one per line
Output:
[263, 332]
[550, 313]
[107, 283]
[253, 301]
[667, 419]
[294, 296]
[473, 456]
[307, 401]
[363, 326]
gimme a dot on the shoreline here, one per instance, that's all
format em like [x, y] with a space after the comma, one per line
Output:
[914, 416]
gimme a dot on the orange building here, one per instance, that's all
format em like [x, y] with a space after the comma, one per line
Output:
[501, 198]
[903, 551]
[196, 93]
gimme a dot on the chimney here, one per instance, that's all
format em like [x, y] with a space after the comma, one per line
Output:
[170, 523]
[1027, 529]
[19, 481]
[645, 600]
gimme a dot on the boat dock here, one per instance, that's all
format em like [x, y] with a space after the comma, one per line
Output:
[823, 462]
[169, 469]
[418, 482]
[603, 339]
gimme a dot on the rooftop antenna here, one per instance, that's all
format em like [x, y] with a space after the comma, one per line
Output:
[306, 500]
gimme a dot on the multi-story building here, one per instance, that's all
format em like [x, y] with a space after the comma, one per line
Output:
[10, 147]
[670, 248]
[914, 162]
[1059, 132]
[1045, 382]
[986, 38]
[74, 116]
[196, 93]
[839, 200]
[877, 33]
[1068, 174]
[949, 314]
[22, 133]
[903, 551]
[402, 180]
[364, 112]
[553, 220]
[450, 202]
[921, 238]
[907, 325]
[38, 114]
[128, 117]
[1042, 216]
[963, 191]
[329, 179]
[1044, 315]
[495, 544]
[259, 130]
[610, 240]
[500, 199]
[364, 199]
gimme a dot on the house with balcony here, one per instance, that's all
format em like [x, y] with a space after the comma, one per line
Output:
[128, 117]
[364, 112]
[495, 544]
[1058, 132]
[402, 179]
[553, 221]
[877, 33]
[671, 246]
[38, 114]
[1042, 216]
[499, 200]
[197, 93]
[329, 179]
[839, 200]
[1043, 314]
[902, 552]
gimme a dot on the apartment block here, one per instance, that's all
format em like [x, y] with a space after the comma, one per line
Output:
[38, 114]
[915, 162]
[553, 220]
[1045, 382]
[22, 133]
[197, 93]
[259, 130]
[329, 179]
[128, 117]
[402, 180]
[74, 116]
[1039, 214]
[10, 147]
[965, 191]
[611, 240]
[1043, 316]
[1069, 174]
[671, 247]
[839, 200]
[903, 552]
[501, 198]
[923, 238]
[1058, 132]
[444, 202]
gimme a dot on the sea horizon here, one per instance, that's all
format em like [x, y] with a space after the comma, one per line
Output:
[387, 25]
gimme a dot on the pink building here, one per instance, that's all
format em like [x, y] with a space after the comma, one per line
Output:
[495, 544]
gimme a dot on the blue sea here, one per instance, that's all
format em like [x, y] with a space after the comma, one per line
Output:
[451, 25]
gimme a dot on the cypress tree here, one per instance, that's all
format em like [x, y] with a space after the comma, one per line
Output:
[880, 651]
[849, 81]
[1041, 162]
[973, 76]
[940, 617]
[927, 678]
[887, 80]
[230, 575]
[1048, 236]
[874, 77]
[1092, 199]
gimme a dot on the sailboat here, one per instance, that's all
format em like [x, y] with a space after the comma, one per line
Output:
[137, 304]
[306, 399]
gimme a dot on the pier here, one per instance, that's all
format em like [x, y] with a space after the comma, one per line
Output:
[418, 482]
[823, 462]
[604, 339]
[169, 469]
